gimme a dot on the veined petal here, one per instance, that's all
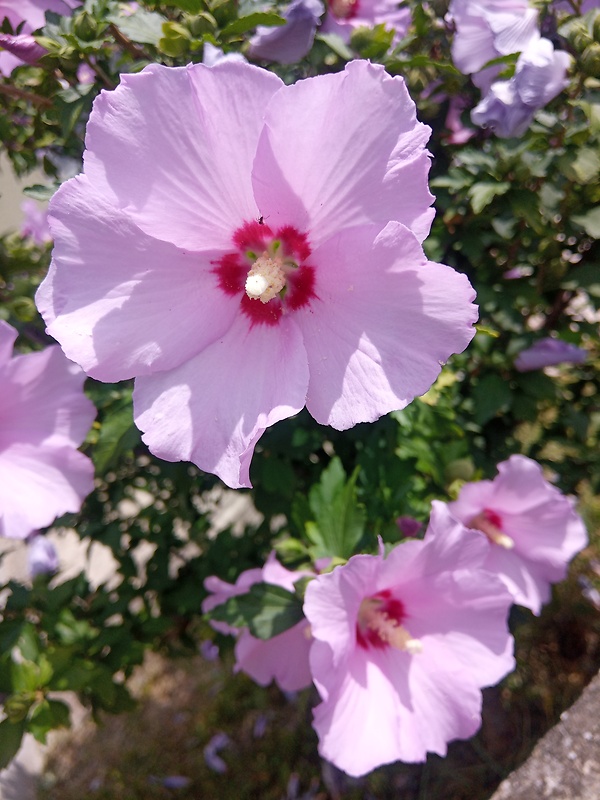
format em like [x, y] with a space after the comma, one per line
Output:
[323, 167]
[40, 484]
[213, 409]
[384, 322]
[176, 147]
[120, 302]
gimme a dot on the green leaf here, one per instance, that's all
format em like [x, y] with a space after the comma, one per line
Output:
[339, 519]
[47, 715]
[482, 194]
[266, 610]
[117, 435]
[70, 104]
[143, 27]
[336, 43]
[41, 192]
[249, 22]
[492, 395]
[590, 222]
[11, 734]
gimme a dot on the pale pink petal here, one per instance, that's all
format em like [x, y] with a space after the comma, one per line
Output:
[221, 591]
[185, 178]
[122, 303]
[384, 323]
[213, 409]
[42, 401]
[8, 336]
[283, 658]
[322, 167]
[40, 484]
[525, 580]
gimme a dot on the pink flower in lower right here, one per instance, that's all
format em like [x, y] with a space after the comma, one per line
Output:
[533, 528]
[403, 645]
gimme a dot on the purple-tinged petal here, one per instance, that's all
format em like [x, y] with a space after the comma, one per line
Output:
[322, 167]
[384, 322]
[42, 558]
[547, 353]
[263, 374]
[289, 43]
[283, 658]
[123, 303]
[368, 13]
[503, 111]
[24, 47]
[185, 178]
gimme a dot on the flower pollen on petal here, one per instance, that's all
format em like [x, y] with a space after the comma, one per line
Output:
[379, 625]
[344, 9]
[270, 267]
[489, 523]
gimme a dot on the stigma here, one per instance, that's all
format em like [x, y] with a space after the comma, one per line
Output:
[373, 617]
[486, 523]
[266, 279]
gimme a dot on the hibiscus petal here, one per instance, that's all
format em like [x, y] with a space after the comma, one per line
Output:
[176, 146]
[40, 484]
[122, 303]
[334, 168]
[384, 322]
[261, 372]
[283, 658]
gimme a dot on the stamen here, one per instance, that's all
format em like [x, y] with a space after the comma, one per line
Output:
[483, 523]
[265, 280]
[388, 629]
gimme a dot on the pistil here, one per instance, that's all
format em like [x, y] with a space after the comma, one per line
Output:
[483, 523]
[266, 279]
[390, 631]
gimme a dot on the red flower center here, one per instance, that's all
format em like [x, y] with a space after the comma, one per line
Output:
[379, 624]
[344, 9]
[268, 270]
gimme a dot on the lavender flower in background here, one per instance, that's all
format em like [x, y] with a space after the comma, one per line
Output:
[44, 417]
[403, 645]
[509, 107]
[534, 529]
[35, 223]
[288, 43]
[488, 29]
[344, 16]
[42, 558]
[212, 55]
[85, 74]
[211, 752]
[547, 353]
[409, 526]
[28, 16]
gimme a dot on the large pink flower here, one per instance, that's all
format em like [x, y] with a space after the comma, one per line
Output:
[533, 528]
[403, 646]
[44, 417]
[229, 244]
[283, 658]
[27, 16]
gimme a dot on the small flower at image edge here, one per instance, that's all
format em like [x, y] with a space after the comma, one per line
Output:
[403, 646]
[283, 658]
[548, 353]
[244, 248]
[44, 417]
[26, 16]
[345, 16]
[534, 530]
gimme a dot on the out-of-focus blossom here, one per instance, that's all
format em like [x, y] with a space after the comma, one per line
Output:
[459, 133]
[28, 16]
[547, 353]
[229, 244]
[211, 752]
[578, 6]
[212, 55]
[42, 557]
[176, 782]
[509, 107]
[85, 74]
[209, 650]
[288, 43]
[344, 16]
[515, 273]
[283, 658]
[409, 526]
[35, 222]
[534, 529]
[403, 646]
[488, 29]
[44, 417]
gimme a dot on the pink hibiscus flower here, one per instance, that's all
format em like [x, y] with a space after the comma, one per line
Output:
[403, 646]
[284, 658]
[44, 417]
[533, 528]
[229, 244]
[344, 16]
[27, 16]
